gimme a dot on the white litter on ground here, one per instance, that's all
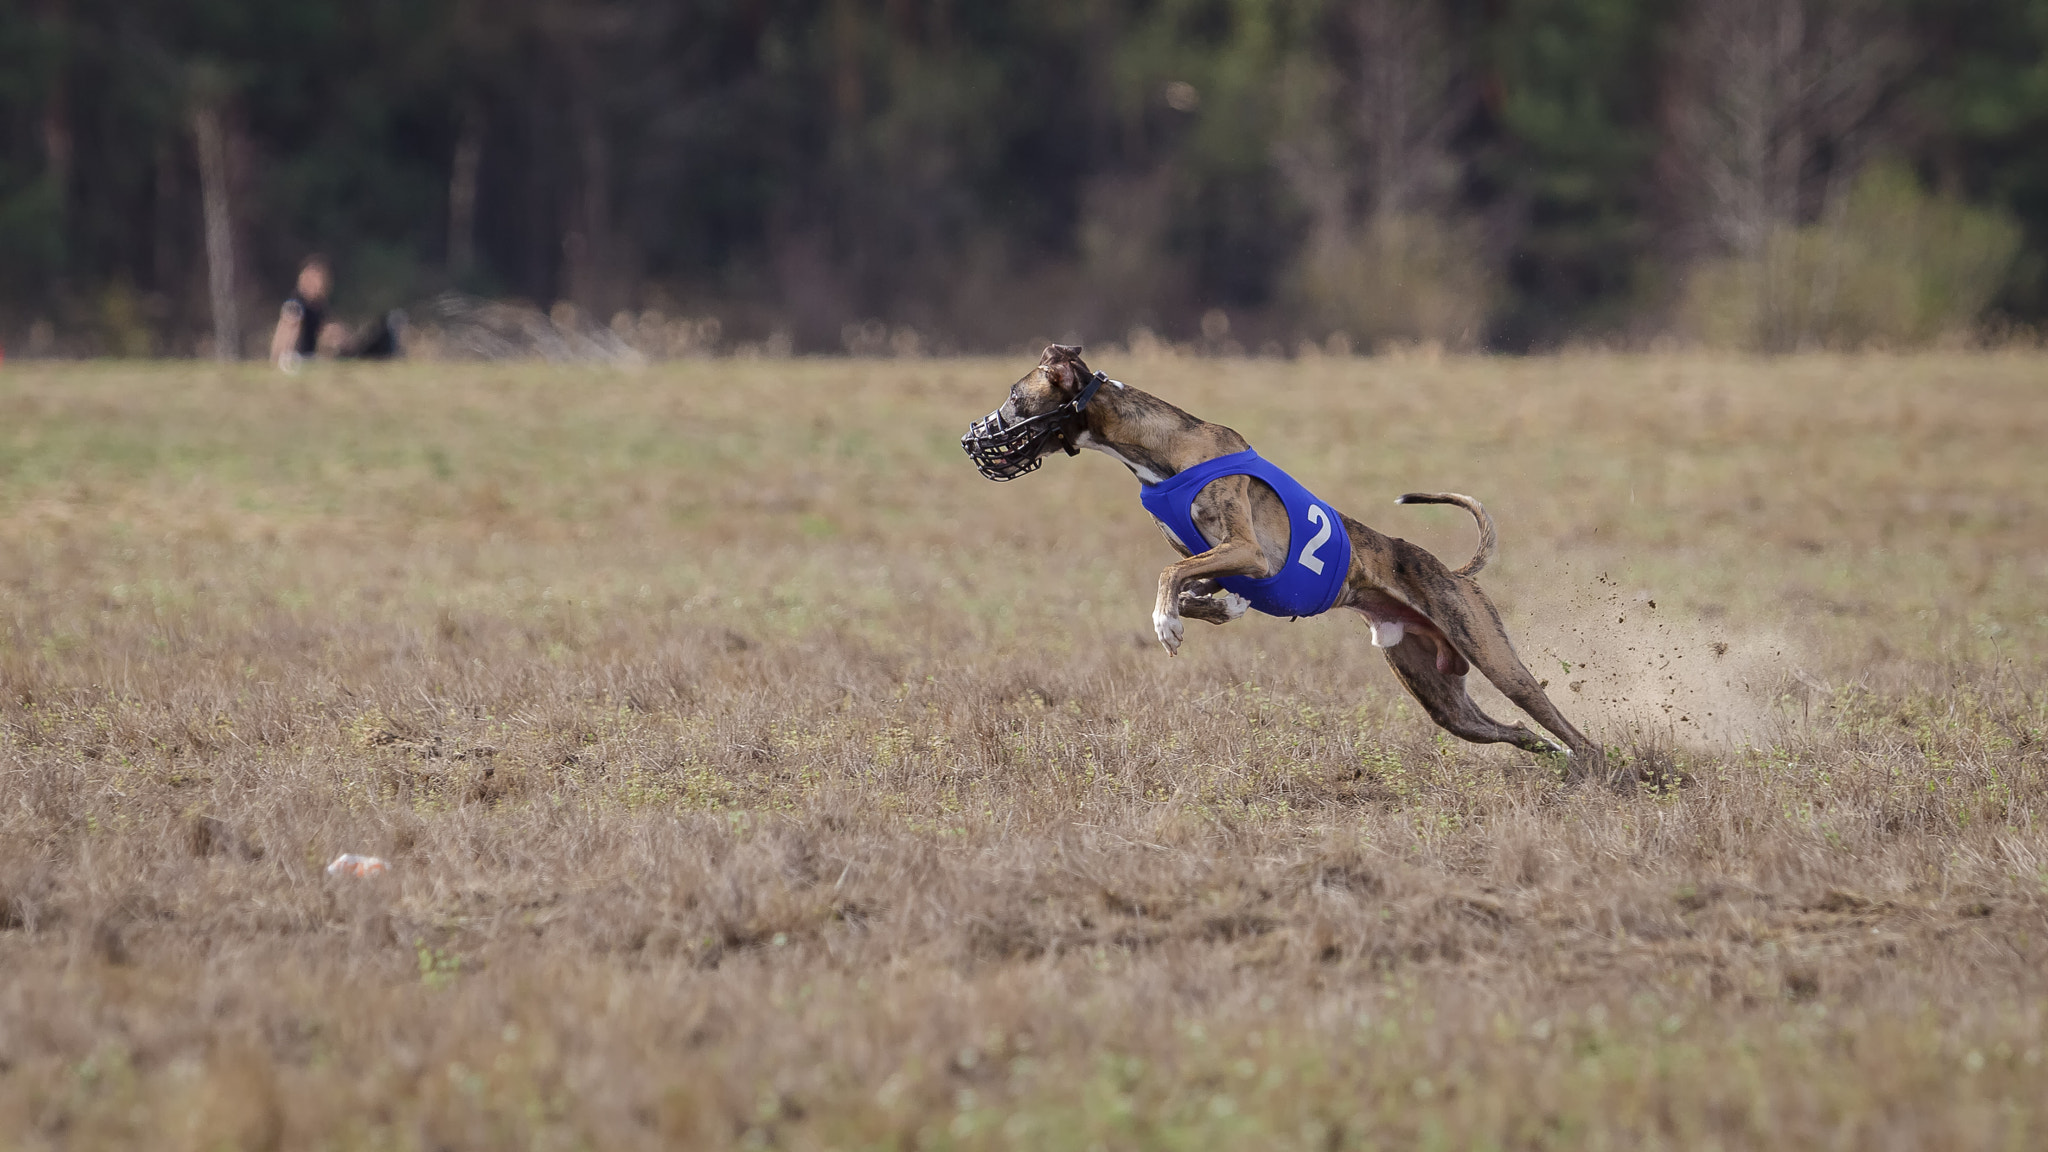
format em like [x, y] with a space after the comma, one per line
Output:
[350, 864]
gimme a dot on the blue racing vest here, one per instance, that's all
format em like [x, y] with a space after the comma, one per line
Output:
[1313, 577]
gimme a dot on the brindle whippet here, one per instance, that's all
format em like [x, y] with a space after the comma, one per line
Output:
[1431, 622]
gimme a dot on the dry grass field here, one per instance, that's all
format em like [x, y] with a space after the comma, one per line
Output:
[755, 774]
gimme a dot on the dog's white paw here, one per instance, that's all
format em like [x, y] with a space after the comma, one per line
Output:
[1234, 605]
[1387, 633]
[1170, 628]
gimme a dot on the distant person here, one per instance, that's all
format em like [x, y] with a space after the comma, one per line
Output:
[304, 331]
[303, 319]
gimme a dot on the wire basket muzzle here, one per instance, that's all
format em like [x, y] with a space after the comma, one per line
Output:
[1005, 451]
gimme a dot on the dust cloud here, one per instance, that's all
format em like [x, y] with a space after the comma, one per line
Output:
[1625, 666]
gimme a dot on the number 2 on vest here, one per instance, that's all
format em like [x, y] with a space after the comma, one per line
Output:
[1309, 559]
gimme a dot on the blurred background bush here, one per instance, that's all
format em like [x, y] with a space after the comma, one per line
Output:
[904, 177]
[1892, 265]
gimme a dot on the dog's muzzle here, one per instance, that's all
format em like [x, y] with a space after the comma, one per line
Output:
[1004, 451]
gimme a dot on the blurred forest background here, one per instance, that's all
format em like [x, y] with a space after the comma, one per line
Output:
[902, 176]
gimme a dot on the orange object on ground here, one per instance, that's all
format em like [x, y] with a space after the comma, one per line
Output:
[350, 864]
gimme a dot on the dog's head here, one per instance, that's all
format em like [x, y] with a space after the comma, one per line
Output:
[1044, 406]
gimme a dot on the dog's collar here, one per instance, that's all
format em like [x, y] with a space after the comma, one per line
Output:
[1005, 451]
[1079, 405]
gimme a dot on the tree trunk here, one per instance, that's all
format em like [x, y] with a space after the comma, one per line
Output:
[220, 249]
[56, 126]
[587, 241]
[469, 149]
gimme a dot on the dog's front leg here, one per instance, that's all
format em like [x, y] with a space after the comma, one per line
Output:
[1236, 557]
[1206, 600]
[1223, 512]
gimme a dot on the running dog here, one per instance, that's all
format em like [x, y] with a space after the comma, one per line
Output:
[1250, 537]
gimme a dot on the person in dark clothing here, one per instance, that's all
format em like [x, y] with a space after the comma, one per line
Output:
[303, 330]
[304, 317]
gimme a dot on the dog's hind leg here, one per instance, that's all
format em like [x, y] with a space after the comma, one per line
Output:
[1483, 639]
[1442, 694]
[1461, 609]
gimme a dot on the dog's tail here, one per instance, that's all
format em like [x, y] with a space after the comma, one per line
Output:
[1489, 543]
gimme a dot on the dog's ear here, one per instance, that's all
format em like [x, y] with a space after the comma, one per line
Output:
[1062, 364]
